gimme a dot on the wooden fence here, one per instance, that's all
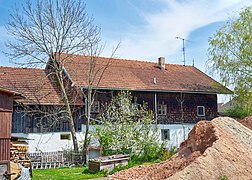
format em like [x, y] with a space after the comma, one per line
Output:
[51, 159]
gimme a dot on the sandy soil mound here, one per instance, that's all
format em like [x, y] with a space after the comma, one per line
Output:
[220, 148]
[247, 121]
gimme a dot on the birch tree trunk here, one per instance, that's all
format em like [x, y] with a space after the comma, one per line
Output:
[88, 116]
[69, 112]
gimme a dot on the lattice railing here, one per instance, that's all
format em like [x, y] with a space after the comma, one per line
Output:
[51, 159]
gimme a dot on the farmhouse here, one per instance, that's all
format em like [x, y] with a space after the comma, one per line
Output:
[178, 95]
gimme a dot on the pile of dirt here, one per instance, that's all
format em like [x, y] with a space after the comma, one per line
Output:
[220, 148]
[247, 121]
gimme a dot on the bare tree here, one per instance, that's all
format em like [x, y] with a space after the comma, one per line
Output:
[181, 100]
[94, 74]
[53, 30]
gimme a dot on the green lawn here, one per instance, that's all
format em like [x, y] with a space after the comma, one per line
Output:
[76, 173]
[65, 173]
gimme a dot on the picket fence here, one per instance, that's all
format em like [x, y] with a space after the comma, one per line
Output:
[48, 160]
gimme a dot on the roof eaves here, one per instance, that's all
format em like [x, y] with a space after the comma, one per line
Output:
[16, 95]
[227, 90]
[158, 90]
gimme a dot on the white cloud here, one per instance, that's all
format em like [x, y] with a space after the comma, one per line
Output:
[175, 18]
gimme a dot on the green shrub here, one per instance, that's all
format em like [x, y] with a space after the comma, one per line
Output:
[238, 112]
[129, 128]
[241, 106]
[165, 155]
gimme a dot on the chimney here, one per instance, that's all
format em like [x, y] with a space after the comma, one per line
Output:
[161, 63]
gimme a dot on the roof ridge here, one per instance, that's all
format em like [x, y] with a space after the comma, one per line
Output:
[132, 60]
[21, 67]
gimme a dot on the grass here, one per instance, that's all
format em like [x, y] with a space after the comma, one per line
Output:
[77, 173]
[65, 174]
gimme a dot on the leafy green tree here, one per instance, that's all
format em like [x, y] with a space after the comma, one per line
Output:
[230, 57]
[128, 127]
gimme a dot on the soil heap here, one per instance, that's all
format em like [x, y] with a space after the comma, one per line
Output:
[247, 121]
[214, 150]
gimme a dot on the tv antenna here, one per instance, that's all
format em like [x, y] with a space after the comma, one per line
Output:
[183, 49]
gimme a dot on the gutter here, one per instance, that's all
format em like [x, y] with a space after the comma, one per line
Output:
[157, 90]
[16, 95]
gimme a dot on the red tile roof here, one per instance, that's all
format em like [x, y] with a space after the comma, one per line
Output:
[139, 75]
[36, 87]
[32, 83]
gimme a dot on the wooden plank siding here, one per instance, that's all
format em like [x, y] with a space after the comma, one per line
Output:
[173, 114]
[6, 104]
[170, 99]
[6, 101]
[5, 124]
[4, 149]
[28, 122]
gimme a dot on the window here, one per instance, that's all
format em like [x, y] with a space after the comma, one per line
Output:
[165, 134]
[65, 137]
[63, 124]
[162, 109]
[95, 108]
[64, 116]
[200, 110]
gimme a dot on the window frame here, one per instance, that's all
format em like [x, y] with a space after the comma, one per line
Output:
[203, 110]
[65, 136]
[163, 138]
[95, 107]
[162, 109]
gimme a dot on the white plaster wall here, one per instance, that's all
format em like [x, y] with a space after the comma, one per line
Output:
[178, 133]
[50, 142]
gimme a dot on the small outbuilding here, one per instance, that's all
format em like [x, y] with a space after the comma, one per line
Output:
[6, 107]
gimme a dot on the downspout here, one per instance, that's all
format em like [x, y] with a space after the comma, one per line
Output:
[155, 105]
[155, 98]
[182, 111]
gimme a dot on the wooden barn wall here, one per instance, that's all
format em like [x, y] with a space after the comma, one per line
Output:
[191, 101]
[26, 122]
[29, 122]
[4, 149]
[173, 115]
[5, 124]
[6, 103]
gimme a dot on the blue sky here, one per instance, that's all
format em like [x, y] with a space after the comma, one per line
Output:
[147, 28]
